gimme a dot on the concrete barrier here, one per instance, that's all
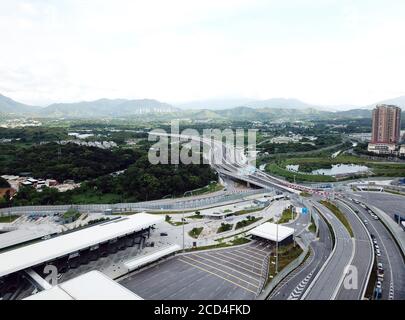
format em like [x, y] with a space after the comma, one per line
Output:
[397, 232]
[283, 273]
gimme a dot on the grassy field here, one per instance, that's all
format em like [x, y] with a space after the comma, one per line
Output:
[286, 216]
[195, 232]
[299, 177]
[225, 227]
[8, 219]
[239, 241]
[286, 254]
[213, 187]
[379, 168]
[339, 214]
[246, 211]
[246, 222]
[308, 164]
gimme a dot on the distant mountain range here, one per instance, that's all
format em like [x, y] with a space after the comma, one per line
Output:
[279, 103]
[87, 109]
[219, 104]
[232, 109]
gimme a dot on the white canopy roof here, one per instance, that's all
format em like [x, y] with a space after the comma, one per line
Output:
[269, 231]
[148, 258]
[93, 285]
[37, 253]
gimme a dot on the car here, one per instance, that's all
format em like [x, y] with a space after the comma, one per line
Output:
[377, 247]
[375, 218]
[379, 265]
[365, 221]
[163, 234]
[378, 253]
[379, 284]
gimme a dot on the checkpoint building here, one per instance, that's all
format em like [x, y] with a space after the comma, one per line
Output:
[69, 251]
[274, 233]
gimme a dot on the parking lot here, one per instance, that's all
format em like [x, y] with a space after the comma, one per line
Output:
[233, 273]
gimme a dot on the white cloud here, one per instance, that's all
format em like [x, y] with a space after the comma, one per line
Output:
[186, 50]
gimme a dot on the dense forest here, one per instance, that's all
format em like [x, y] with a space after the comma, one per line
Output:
[62, 162]
[34, 134]
[140, 181]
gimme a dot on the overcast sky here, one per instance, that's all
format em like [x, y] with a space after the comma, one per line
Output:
[326, 52]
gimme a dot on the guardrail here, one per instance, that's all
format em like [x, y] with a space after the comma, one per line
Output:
[284, 272]
[128, 207]
[392, 226]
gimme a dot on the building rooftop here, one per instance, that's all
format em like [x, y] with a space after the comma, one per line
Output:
[93, 285]
[269, 231]
[37, 253]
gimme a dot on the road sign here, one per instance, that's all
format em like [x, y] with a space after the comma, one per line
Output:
[302, 210]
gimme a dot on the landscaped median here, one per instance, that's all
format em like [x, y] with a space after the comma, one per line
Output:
[195, 232]
[286, 255]
[8, 218]
[247, 222]
[339, 214]
[286, 216]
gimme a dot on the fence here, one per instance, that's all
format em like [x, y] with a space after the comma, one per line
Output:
[128, 207]
[283, 273]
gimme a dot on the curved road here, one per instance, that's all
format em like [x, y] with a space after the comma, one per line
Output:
[393, 286]
[298, 281]
[363, 258]
[328, 281]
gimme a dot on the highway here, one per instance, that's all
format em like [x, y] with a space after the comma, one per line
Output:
[363, 258]
[393, 286]
[328, 281]
[295, 284]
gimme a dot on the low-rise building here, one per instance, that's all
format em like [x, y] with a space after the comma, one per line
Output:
[382, 148]
[402, 151]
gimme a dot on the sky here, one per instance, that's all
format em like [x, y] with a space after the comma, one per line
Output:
[327, 52]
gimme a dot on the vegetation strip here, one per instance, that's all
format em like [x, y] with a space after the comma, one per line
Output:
[339, 214]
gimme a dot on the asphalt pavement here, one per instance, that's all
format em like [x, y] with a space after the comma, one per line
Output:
[295, 284]
[328, 281]
[393, 286]
[363, 256]
[237, 273]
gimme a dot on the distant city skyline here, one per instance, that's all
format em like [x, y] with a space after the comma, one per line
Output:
[322, 52]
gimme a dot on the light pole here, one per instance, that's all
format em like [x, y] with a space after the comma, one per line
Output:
[277, 248]
[182, 221]
[292, 212]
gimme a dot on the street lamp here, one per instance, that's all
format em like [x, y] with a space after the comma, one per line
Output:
[183, 220]
[277, 248]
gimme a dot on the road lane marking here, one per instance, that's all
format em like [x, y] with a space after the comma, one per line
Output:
[227, 273]
[234, 264]
[217, 275]
[247, 259]
[243, 254]
[224, 265]
[249, 265]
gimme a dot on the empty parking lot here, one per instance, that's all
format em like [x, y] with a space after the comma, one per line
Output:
[233, 273]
